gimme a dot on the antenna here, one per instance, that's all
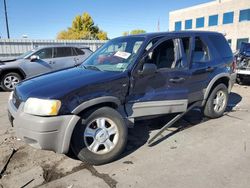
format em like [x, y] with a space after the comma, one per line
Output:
[158, 25]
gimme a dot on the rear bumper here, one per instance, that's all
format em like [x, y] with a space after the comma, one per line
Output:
[243, 72]
[48, 133]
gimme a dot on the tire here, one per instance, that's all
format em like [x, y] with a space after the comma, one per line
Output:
[217, 102]
[94, 141]
[10, 80]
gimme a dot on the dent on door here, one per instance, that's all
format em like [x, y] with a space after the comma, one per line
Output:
[152, 95]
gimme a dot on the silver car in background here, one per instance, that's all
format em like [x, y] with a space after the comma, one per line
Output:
[39, 61]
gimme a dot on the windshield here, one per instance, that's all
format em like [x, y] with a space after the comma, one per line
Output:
[25, 54]
[115, 55]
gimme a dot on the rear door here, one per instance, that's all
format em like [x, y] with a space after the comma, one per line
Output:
[64, 57]
[166, 91]
[201, 66]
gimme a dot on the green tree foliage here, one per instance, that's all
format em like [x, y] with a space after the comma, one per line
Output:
[134, 32]
[83, 27]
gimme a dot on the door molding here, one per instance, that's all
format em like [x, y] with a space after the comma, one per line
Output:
[141, 109]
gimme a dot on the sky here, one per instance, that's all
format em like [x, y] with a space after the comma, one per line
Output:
[44, 19]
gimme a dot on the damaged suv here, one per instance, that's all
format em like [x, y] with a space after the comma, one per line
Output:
[89, 108]
[243, 63]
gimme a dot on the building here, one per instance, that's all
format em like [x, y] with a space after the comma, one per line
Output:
[230, 17]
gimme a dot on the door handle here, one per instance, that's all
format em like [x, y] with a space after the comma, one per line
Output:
[52, 62]
[209, 69]
[177, 80]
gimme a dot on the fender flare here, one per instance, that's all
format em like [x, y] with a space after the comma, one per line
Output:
[212, 82]
[96, 101]
[13, 70]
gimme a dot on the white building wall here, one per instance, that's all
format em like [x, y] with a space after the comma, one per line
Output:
[233, 31]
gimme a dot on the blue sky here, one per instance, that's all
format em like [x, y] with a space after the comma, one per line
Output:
[43, 19]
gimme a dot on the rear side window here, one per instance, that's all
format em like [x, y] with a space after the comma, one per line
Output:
[63, 52]
[79, 51]
[221, 45]
[200, 53]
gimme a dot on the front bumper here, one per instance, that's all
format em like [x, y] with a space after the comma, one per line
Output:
[48, 133]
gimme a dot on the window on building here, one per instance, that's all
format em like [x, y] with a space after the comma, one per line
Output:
[245, 15]
[178, 26]
[229, 42]
[200, 22]
[188, 24]
[239, 41]
[228, 17]
[213, 20]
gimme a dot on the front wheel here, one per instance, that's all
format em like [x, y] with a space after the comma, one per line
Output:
[101, 137]
[217, 102]
[10, 80]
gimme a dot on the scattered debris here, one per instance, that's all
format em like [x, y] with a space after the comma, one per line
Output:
[128, 162]
[7, 162]
[173, 147]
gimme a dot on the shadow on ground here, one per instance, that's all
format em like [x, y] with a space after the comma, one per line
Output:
[139, 135]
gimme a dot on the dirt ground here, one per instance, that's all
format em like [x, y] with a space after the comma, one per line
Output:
[196, 152]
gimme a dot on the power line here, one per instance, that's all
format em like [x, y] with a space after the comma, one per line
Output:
[6, 19]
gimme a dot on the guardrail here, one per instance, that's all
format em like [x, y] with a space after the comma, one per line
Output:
[15, 47]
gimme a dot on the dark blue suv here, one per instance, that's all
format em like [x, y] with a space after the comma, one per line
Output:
[89, 108]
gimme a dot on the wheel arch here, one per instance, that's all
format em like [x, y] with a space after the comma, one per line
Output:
[99, 102]
[221, 78]
[15, 70]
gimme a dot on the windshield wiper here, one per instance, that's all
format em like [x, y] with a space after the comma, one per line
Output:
[91, 67]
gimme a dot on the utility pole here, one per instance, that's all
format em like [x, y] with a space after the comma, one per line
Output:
[6, 19]
[158, 25]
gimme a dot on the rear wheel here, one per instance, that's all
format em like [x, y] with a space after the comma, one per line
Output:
[10, 80]
[101, 138]
[217, 102]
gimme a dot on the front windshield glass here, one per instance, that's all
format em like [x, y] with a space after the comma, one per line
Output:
[115, 55]
[25, 54]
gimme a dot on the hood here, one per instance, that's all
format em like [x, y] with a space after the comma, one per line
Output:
[62, 83]
[7, 60]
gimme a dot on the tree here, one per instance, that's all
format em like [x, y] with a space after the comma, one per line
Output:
[133, 32]
[126, 33]
[137, 31]
[83, 27]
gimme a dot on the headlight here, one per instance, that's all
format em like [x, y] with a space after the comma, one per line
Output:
[42, 107]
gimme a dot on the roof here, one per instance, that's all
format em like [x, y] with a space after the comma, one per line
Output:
[172, 33]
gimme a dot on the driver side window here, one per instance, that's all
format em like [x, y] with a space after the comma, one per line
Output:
[44, 53]
[163, 56]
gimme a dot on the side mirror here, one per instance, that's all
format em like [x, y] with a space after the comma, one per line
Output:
[34, 58]
[148, 68]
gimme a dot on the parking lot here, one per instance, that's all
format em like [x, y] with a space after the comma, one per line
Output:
[196, 152]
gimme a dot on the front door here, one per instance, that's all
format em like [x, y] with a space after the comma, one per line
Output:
[165, 91]
[42, 65]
